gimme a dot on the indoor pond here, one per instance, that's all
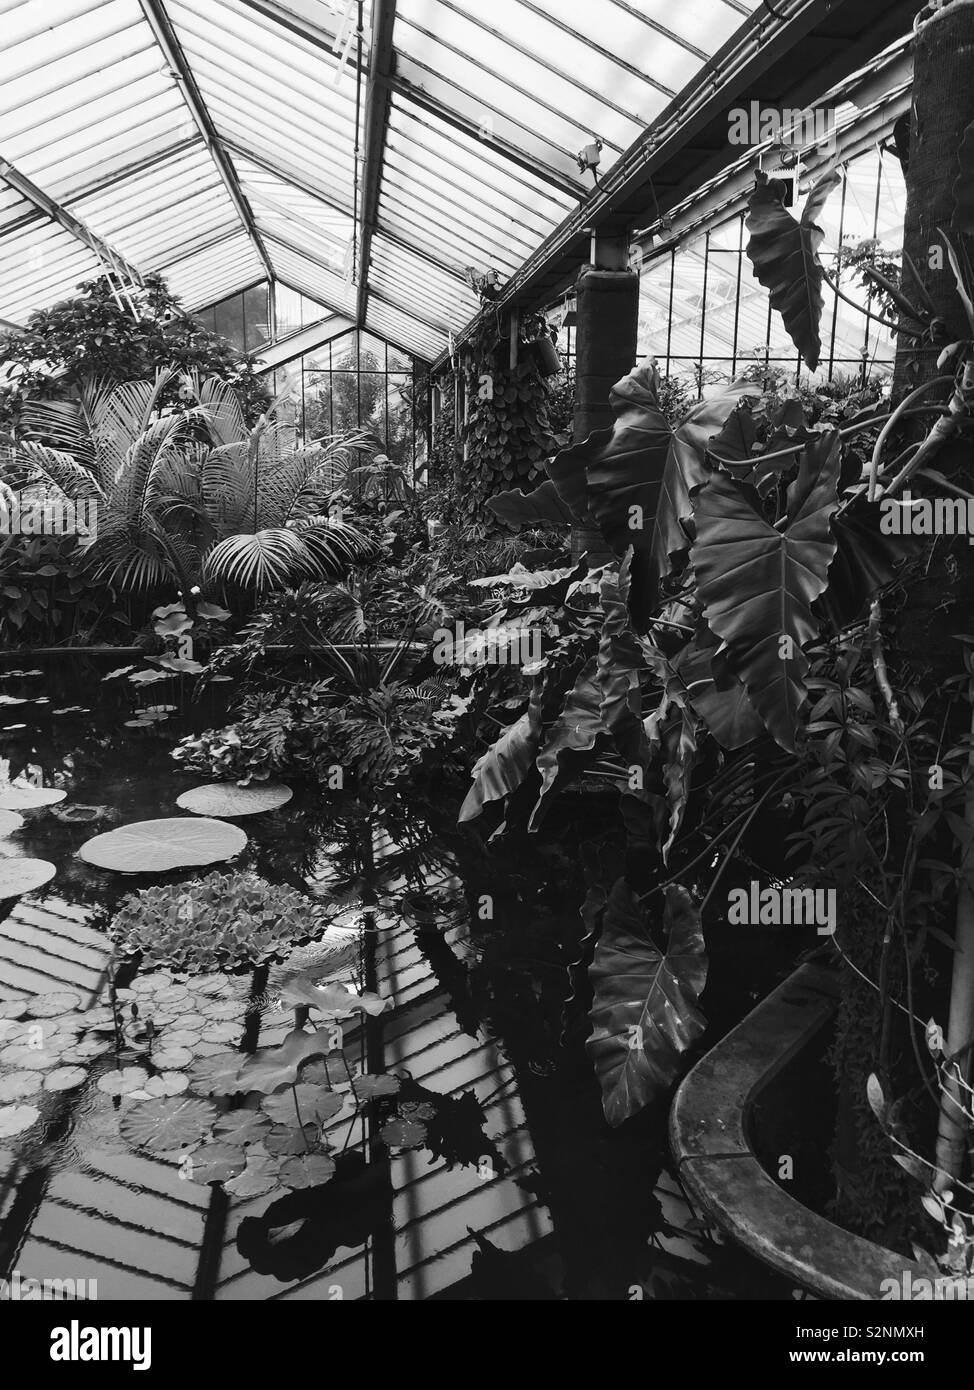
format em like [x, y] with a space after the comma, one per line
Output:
[464, 1150]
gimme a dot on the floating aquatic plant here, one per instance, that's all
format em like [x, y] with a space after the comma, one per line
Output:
[156, 846]
[222, 920]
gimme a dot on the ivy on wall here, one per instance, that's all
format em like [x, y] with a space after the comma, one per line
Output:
[508, 430]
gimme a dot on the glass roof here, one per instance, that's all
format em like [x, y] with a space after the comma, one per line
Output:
[223, 141]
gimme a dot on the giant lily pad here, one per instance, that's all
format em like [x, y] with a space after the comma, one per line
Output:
[14, 1119]
[156, 846]
[227, 799]
[9, 822]
[331, 999]
[19, 876]
[21, 795]
[166, 1124]
[308, 1170]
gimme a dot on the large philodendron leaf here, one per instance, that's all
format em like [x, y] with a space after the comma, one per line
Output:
[715, 692]
[784, 254]
[542, 507]
[619, 664]
[757, 583]
[644, 1013]
[687, 469]
[576, 730]
[505, 765]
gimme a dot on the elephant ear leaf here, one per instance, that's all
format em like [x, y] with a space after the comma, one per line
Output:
[575, 731]
[645, 1011]
[757, 582]
[542, 507]
[784, 253]
[687, 469]
[505, 765]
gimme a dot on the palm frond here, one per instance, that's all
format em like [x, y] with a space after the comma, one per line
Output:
[267, 559]
[61, 471]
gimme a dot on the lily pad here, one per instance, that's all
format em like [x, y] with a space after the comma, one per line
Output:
[368, 1087]
[313, 1102]
[216, 1163]
[258, 1178]
[167, 1083]
[123, 1081]
[21, 795]
[156, 846]
[242, 1127]
[227, 799]
[51, 1005]
[64, 1078]
[17, 1084]
[172, 1058]
[14, 1119]
[218, 1075]
[403, 1134]
[9, 822]
[84, 1051]
[289, 1139]
[13, 1008]
[219, 1031]
[167, 1124]
[308, 1170]
[18, 876]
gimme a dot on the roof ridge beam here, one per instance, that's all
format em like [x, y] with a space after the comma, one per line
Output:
[165, 36]
[67, 220]
[377, 101]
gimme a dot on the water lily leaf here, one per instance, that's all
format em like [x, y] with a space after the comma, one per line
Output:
[17, 1084]
[156, 846]
[51, 1005]
[369, 1087]
[308, 1170]
[167, 1083]
[273, 1067]
[172, 1058]
[184, 664]
[167, 1124]
[403, 1134]
[84, 1051]
[150, 677]
[259, 1177]
[332, 999]
[644, 1013]
[78, 815]
[21, 795]
[313, 1102]
[9, 822]
[13, 1008]
[330, 1072]
[217, 1076]
[14, 1119]
[227, 799]
[64, 1078]
[220, 1032]
[241, 1127]
[124, 1081]
[34, 1058]
[289, 1139]
[216, 1163]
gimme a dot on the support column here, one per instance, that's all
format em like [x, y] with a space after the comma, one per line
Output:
[605, 337]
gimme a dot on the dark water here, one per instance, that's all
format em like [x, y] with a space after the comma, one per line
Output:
[515, 1188]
